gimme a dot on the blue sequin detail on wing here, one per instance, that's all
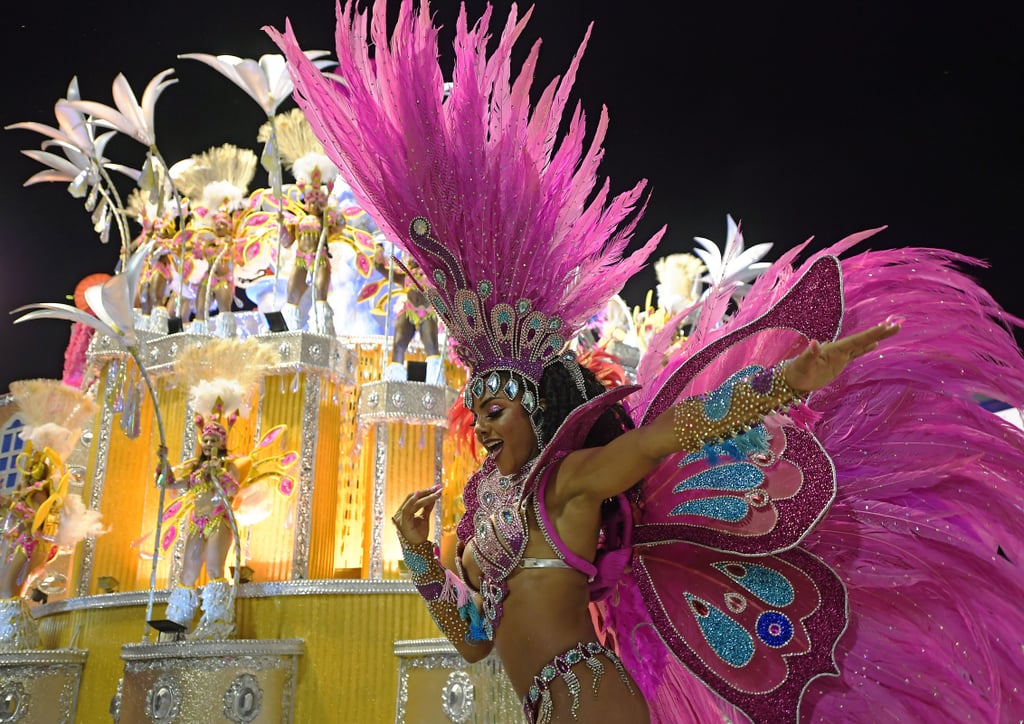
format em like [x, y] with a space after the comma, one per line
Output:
[727, 638]
[718, 401]
[725, 508]
[752, 442]
[741, 476]
[774, 628]
[767, 584]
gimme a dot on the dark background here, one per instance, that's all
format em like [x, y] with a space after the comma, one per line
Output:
[798, 120]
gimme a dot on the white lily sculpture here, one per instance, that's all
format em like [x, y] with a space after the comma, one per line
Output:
[131, 117]
[137, 119]
[134, 119]
[83, 165]
[731, 265]
[266, 80]
[111, 302]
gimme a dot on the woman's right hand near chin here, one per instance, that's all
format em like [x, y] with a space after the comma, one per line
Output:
[413, 516]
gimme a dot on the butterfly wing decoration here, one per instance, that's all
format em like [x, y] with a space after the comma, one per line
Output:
[269, 467]
[755, 630]
[752, 615]
[760, 492]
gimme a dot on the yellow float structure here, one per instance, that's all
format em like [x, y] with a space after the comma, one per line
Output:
[327, 627]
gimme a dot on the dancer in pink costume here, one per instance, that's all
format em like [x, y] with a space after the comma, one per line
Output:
[748, 549]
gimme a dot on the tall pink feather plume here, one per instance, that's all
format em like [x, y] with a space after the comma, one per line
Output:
[927, 527]
[515, 205]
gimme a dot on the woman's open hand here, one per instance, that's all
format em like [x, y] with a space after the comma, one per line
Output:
[820, 363]
[413, 516]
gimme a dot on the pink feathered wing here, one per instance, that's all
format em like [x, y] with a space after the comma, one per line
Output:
[926, 527]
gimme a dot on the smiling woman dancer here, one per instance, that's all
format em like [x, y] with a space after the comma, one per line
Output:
[718, 535]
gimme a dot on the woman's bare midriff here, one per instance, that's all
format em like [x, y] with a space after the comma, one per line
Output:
[545, 614]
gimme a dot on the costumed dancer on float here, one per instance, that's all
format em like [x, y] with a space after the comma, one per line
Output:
[412, 313]
[746, 539]
[160, 280]
[42, 519]
[312, 222]
[221, 490]
[220, 230]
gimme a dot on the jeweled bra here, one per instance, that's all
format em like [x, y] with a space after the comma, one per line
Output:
[501, 534]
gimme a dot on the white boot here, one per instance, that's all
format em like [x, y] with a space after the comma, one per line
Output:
[182, 605]
[158, 320]
[199, 326]
[395, 372]
[225, 325]
[290, 312]
[18, 630]
[324, 318]
[218, 619]
[435, 370]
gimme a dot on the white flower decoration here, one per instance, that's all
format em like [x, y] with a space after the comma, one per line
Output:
[130, 117]
[266, 81]
[733, 264]
[76, 137]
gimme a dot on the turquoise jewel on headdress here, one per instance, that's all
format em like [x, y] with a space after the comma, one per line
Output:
[478, 387]
[493, 383]
[440, 278]
[529, 401]
[511, 388]
[484, 289]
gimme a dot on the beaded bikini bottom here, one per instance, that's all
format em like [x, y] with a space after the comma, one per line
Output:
[537, 704]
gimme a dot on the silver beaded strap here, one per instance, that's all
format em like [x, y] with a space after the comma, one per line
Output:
[537, 704]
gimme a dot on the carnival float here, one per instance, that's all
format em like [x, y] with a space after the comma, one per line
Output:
[203, 537]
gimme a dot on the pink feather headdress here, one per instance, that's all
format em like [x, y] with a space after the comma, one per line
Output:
[519, 241]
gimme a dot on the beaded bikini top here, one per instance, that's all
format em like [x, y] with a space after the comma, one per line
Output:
[500, 529]
[501, 534]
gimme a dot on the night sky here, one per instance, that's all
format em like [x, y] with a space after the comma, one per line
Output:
[799, 121]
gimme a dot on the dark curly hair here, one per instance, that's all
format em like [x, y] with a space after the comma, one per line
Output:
[561, 396]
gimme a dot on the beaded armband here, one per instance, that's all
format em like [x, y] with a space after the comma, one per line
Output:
[449, 600]
[732, 408]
